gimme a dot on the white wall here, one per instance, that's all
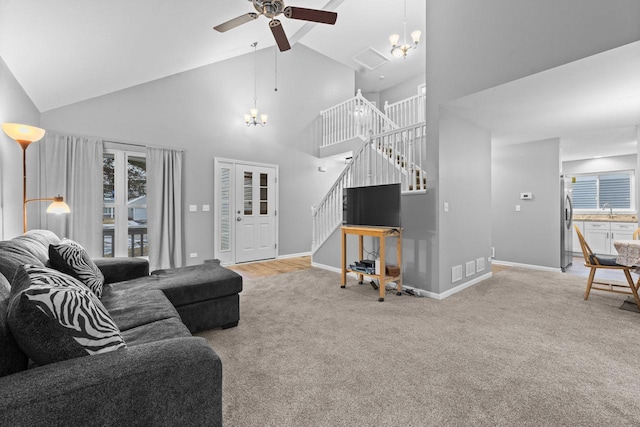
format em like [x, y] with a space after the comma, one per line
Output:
[403, 90]
[474, 45]
[15, 107]
[201, 111]
[531, 236]
[465, 175]
[604, 164]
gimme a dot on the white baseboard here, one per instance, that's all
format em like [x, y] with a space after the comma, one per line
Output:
[417, 290]
[301, 254]
[529, 266]
[460, 287]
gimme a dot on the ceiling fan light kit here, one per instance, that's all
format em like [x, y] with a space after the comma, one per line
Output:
[273, 8]
[401, 50]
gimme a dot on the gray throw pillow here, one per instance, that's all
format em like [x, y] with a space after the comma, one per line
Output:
[71, 258]
[54, 317]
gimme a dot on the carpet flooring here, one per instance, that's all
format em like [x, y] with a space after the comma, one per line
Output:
[520, 349]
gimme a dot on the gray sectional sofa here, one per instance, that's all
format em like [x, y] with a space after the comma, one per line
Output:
[164, 376]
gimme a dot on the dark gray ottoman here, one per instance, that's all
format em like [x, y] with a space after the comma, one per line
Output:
[206, 295]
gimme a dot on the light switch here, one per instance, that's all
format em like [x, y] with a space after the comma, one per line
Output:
[193, 208]
[205, 208]
[517, 208]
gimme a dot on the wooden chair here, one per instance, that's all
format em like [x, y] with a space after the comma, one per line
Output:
[636, 234]
[594, 262]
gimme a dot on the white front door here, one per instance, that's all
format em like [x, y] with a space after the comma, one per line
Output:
[255, 212]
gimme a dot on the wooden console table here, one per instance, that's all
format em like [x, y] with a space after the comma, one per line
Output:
[381, 233]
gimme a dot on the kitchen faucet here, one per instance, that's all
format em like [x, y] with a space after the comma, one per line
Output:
[610, 209]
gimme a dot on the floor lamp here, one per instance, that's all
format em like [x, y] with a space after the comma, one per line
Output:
[25, 135]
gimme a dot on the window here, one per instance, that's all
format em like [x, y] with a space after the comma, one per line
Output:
[124, 214]
[593, 191]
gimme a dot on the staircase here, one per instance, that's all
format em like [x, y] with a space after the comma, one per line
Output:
[388, 154]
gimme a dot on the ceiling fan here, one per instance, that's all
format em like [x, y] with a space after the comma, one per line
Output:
[273, 8]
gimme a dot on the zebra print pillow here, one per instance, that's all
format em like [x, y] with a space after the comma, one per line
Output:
[53, 317]
[71, 258]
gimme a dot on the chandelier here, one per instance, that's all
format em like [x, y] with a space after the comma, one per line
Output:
[401, 50]
[252, 117]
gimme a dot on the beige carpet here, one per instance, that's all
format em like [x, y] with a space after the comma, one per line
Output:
[522, 348]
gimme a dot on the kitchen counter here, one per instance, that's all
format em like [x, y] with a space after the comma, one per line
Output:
[606, 218]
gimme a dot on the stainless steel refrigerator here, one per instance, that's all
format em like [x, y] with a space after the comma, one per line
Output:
[566, 222]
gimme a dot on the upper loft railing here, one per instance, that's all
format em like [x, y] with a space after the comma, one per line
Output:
[354, 118]
[390, 157]
[408, 111]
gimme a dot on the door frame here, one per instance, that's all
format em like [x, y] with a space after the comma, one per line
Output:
[228, 256]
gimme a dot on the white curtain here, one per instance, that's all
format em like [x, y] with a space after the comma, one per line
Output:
[164, 208]
[71, 166]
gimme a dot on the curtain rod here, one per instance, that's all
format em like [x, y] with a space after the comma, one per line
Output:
[114, 141]
[133, 144]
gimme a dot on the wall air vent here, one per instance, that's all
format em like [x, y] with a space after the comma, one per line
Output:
[471, 268]
[456, 273]
[370, 59]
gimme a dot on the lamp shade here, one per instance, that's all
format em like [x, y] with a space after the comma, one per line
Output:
[23, 133]
[58, 206]
[415, 36]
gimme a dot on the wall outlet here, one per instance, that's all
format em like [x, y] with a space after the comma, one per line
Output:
[193, 208]
[205, 208]
[193, 255]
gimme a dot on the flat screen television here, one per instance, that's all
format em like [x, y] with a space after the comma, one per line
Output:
[375, 205]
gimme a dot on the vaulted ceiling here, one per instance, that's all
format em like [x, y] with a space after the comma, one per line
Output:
[65, 51]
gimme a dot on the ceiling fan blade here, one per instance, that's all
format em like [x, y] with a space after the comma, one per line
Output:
[243, 19]
[313, 15]
[279, 35]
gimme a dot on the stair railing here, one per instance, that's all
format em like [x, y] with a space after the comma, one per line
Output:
[401, 156]
[408, 111]
[389, 157]
[354, 118]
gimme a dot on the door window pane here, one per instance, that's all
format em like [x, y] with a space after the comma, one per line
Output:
[248, 193]
[264, 190]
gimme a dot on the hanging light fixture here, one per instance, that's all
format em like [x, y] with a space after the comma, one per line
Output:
[401, 50]
[252, 117]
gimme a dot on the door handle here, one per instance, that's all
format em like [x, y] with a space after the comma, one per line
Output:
[238, 219]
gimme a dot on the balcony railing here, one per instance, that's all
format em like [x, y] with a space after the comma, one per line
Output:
[353, 118]
[137, 241]
[407, 112]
